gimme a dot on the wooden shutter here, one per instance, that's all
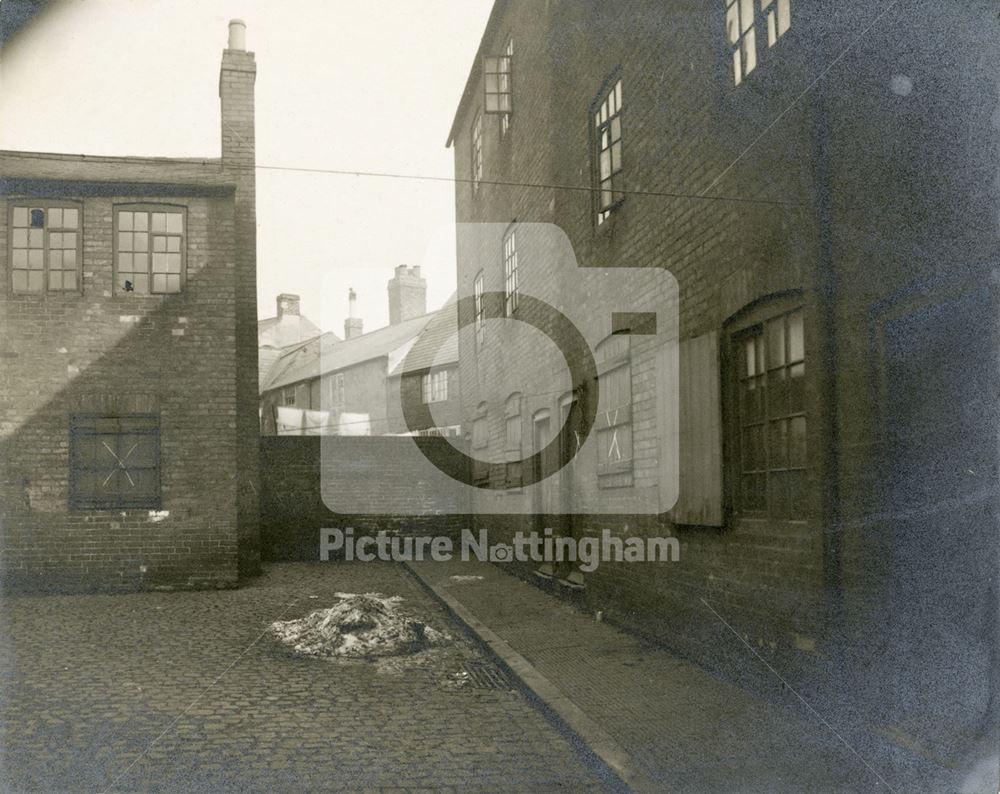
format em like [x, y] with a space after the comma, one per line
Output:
[699, 499]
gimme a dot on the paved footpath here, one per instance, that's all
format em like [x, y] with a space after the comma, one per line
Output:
[663, 724]
[185, 692]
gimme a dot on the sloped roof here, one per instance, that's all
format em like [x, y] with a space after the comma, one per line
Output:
[284, 331]
[327, 353]
[437, 344]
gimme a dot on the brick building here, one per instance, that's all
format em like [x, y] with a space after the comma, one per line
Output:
[288, 328]
[129, 388]
[356, 386]
[814, 179]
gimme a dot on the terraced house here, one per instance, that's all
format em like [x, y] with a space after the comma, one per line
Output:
[128, 394]
[812, 413]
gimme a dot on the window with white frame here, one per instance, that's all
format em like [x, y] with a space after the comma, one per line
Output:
[477, 152]
[510, 291]
[480, 309]
[512, 441]
[45, 248]
[613, 425]
[149, 249]
[608, 168]
[499, 86]
[741, 30]
[434, 386]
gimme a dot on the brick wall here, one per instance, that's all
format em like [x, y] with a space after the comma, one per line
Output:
[862, 202]
[294, 498]
[68, 352]
[236, 94]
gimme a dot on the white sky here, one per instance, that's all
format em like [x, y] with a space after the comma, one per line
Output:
[342, 84]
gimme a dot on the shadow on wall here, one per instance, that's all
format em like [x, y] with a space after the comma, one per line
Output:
[176, 360]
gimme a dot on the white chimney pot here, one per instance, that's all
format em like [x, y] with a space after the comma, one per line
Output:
[237, 35]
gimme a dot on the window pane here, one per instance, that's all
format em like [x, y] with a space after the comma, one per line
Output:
[749, 52]
[746, 15]
[20, 279]
[174, 263]
[69, 240]
[159, 243]
[141, 283]
[796, 344]
[70, 219]
[20, 258]
[173, 243]
[159, 264]
[35, 261]
[55, 240]
[159, 222]
[140, 241]
[797, 442]
[36, 238]
[616, 128]
[616, 157]
[141, 263]
[55, 280]
[125, 221]
[20, 238]
[605, 164]
[784, 15]
[778, 444]
[55, 260]
[125, 263]
[175, 223]
[20, 216]
[37, 219]
[35, 280]
[140, 221]
[159, 282]
[69, 279]
[55, 218]
[124, 241]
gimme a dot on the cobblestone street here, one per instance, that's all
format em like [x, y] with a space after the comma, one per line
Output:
[186, 691]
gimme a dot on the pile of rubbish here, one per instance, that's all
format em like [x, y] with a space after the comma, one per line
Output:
[361, 626]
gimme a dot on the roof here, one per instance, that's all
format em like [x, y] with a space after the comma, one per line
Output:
[46, 172]
[272, 332]
[471, 83]
[438, 344]
[326, 353]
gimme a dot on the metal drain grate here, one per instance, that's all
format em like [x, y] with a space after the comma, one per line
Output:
[486, 676]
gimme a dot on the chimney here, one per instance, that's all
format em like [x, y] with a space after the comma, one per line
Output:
[237, 73]
[288, 304]
[407, 295]
[353, 324]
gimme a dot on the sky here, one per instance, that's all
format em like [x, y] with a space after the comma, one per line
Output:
[344, 85]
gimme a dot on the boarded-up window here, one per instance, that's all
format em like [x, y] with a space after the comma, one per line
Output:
[114, 461]
[699, 499]
[613, 427]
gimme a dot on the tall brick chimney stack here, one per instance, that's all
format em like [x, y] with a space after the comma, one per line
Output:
[236, 84]
[353, 325]
[288, 305]
[407, 294]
